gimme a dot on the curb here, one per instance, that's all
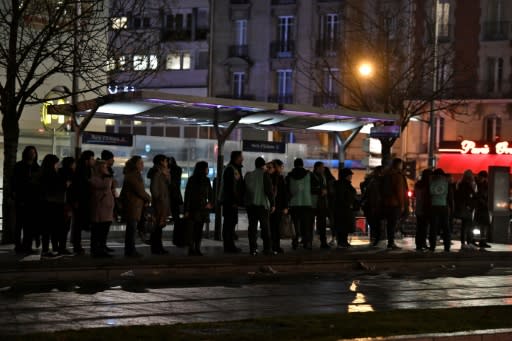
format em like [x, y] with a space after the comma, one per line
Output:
[155, 269]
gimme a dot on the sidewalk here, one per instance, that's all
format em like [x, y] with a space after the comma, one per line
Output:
[16, 269]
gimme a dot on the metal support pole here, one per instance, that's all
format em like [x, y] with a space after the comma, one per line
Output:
[432, 118]
[54, 141]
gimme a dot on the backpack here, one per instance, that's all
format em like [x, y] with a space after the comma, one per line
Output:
[386, 187]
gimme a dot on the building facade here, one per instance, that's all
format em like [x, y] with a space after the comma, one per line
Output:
[479, 107]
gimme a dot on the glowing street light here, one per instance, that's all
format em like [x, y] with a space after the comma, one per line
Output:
[365, 69]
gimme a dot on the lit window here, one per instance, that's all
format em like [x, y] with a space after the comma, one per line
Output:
[186, 61]
[110, 122]
[153, 62]
[141, 63]
[173, 61]
[178, 61]
[119, 23]
[111, 64]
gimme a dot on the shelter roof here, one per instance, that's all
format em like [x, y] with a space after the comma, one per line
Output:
[157, 106]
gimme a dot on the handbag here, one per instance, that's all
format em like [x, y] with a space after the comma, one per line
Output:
[286, 228]
[148, 216]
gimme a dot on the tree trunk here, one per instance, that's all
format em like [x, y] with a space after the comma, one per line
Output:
[11, 135]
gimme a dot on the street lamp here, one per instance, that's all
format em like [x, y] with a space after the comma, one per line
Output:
[365, 69]
[52, 122]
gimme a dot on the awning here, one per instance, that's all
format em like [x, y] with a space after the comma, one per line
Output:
[175, 109]
[458, 163]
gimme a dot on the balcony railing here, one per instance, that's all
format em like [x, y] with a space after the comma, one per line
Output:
[284, 99]
[327, 47]
[235, 96]
[283, 2]
[173, 35]
[282, 49]
[444, 35]
[184, 35]
[326, 100]
[241, 51]
[496, 30]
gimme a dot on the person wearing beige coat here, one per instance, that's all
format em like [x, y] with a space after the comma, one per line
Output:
[102, 208]
[133, 198]
[160, 179]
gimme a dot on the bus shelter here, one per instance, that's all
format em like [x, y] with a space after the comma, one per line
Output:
[224, 115]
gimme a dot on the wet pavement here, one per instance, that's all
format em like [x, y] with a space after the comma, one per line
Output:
[77, 306]
[81, 292]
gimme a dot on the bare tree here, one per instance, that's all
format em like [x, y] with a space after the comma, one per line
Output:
[71, 43]
[396, 38]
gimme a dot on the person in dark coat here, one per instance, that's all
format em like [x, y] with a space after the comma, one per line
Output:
[67, 172]
[179, 237]
[197, 206]
[371, 202]
[108, 157]
[281, 203]
[422, 209]
[345, 200]
[464, 206]
[482, 217]
[52, 189]
[319, 195]
[81, 199]
[331, 208]
[25, 200]
[232, 195]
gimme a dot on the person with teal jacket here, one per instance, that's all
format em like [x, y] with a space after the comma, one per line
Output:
[299, 190]
[441, 198]
[259, 200]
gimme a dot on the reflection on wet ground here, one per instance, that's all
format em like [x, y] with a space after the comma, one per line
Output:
[78, 306]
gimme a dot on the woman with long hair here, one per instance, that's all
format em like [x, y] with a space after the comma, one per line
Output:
[197, 206]
[160, 178]
[102, 208]
[52, 195]
[134, 198]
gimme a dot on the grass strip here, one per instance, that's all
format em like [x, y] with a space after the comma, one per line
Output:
[305, 327]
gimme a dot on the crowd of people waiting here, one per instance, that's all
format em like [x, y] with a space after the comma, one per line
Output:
[66, 195]
[439, 202]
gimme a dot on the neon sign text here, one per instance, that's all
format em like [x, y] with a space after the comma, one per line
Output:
[503, 148]
[469, 147]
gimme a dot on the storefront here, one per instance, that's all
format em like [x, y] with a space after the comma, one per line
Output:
[454, 157]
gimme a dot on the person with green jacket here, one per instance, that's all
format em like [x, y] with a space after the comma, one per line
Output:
[259, 198]
[299, 190]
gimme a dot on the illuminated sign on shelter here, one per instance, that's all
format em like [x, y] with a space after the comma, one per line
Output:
[472, 147]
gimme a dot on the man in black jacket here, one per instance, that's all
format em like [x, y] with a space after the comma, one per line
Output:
[232, 197]
[25, 200]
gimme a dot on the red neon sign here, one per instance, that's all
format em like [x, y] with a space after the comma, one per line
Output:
[470, 147]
